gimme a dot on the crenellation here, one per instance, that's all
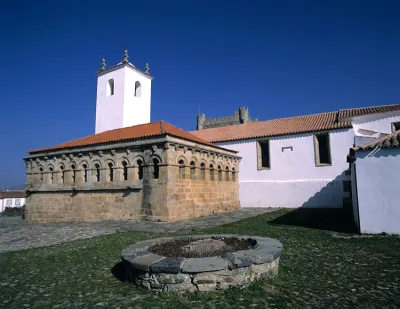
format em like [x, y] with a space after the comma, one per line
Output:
[240, 116]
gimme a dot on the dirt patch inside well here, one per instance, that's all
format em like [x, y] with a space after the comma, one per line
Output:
[207, 247]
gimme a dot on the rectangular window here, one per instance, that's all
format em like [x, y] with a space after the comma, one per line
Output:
[322, 149]
[395, 126]
[263, 155]
[17, 202]
[8, 202]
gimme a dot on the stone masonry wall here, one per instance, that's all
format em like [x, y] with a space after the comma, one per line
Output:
[84, 206]
[200, 184]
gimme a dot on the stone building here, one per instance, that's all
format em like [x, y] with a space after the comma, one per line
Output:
[131, 168]
[240, 116]
[152, 172]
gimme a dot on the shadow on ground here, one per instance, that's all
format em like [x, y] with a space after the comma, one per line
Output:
[123, 272]
[330, 219]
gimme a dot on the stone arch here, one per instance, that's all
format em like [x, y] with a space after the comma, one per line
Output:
[156, 167]
[49, 166]
[50, 170]
[122, 159]
[185, 160]
[193, 166]
[138, 157]
[182, 167]
[203, 167]
[61, 165]
[227, 171]
[194, 159]
[40, 171]
[84, 167]
[158, 157]
[234, 173]
[213, 163]
[96, 161]
[83, 162]
[61, 171]
[109, 160]
[219, 171]
[139, 162]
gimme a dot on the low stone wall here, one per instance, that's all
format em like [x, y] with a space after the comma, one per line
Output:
[83, 206]
[167, 274]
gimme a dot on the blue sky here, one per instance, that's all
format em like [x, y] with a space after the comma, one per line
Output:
[279, 58]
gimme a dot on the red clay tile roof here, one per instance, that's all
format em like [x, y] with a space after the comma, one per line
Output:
[276, 127]
[152, 129]
[389, 141]
[354, 112]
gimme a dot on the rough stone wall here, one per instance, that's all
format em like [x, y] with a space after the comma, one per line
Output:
[240, 116]
[139, 182]
[84, 206]
[193, 192]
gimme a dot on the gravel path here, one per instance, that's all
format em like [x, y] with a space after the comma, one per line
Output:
[16, 235]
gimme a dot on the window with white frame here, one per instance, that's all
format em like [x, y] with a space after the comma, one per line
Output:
[8, 202]
[17, 202]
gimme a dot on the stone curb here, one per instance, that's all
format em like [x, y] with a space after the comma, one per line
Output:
[264, 250]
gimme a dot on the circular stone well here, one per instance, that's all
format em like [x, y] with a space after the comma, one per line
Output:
[202, 262]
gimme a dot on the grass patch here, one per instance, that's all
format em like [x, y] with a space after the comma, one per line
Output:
[11, 214]
[317, 270]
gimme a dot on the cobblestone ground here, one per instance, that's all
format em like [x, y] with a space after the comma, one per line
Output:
[16, 235]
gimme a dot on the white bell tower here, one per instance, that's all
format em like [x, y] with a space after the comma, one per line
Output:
[123, 96]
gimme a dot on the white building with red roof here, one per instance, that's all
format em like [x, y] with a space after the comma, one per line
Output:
[301, 161]
[375, 168]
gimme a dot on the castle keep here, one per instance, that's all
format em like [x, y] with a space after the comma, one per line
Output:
[240, 116]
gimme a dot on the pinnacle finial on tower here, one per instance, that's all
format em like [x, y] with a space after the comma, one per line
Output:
[125, 56]
[146, 68]
[103, 64]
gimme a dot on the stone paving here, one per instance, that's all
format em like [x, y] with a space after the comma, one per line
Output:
[16, 235]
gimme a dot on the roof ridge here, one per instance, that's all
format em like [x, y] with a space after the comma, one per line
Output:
[374, 106]
[162, 131]
[275, 119]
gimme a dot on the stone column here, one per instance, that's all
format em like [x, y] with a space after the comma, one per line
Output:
[92, 175]
[118, 173]
[68, 176]
[104, 175]
[57, 177]
[163, 176]
[227, 176]
[80, 176]
[47, 178]
[132, 172]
